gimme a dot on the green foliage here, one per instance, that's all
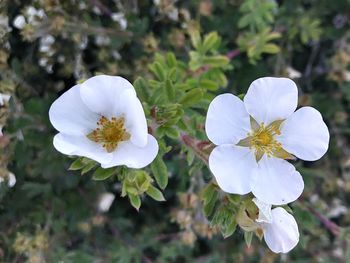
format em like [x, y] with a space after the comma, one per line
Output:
[160, 172]
[256, 44]
[257, 14]
[178, 55]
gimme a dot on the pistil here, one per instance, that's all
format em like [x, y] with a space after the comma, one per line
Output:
[262, 140]
[109, 133]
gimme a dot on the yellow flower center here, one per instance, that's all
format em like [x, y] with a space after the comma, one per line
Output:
[262, 140]
[109, 133]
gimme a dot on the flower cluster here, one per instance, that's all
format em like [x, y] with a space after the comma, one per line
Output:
[102, 119]
[255, 138]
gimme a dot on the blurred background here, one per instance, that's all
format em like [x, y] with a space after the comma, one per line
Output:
[51, 214]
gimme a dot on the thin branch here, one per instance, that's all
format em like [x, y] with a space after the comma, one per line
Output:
[104, 9]
[330, 225]
[200, 148]
[233, 53]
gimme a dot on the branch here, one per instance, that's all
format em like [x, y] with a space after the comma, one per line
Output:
[233, 53]
[200, 148]
[330, 225]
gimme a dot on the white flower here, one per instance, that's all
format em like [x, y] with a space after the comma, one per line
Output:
[102, 119]
[11, 179]
[293, 73]
[19, 22]
[120, 18]
[280, 229]
[4, 98]
[105, 201]
[46, 43]
[255, 137]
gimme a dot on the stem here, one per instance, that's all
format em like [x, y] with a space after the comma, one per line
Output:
[104, 9]
[198, 147]
[233, 53]
[330, 225]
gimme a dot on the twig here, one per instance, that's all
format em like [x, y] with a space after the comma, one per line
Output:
[104, 9]
[198, 147]
[233, 53]
[330, 225]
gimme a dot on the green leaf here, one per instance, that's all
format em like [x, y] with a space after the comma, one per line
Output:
[210, 41]
[271, 49]
[216, 61]
[248, 236]
[172, 132]
[88, 167]
[210, 197]
[208, 84]
[160, 172]
[142, 89]
[208, 208]
[192, 97]
[288, 209]
[155, 193]
[158, 71]
[102, 174]
[170, 90]
[230, 229]
[195, 38]
[77, 164]
[171, 59]
[135, 201]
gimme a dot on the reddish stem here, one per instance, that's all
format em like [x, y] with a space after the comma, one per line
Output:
[233, 53]
[331, 226]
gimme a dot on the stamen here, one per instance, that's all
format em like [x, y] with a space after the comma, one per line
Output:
[262, 140]
[109, 133]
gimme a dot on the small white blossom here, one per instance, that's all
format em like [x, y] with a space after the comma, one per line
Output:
[293, 73]
[120, 18]
[105, 201]
[257, 136]
[280, 229]
[46, 43]
[33, 14]
[4, 98]
[4, 25]
[102, 119]
[101, 40]
[19, 22]
[10, 179]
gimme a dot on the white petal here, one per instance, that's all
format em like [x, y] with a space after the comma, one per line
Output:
[265, 215]
[232, 167]
[19, 22]
[102, 94]
[81, 146]
[69, 115]
[227, 120]
[135, 121]
[11, 180]
[305, 134]
[269, 99]
[282, 235]
[133, 156]
[4, 98]
[276, 182]
[105, 201]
